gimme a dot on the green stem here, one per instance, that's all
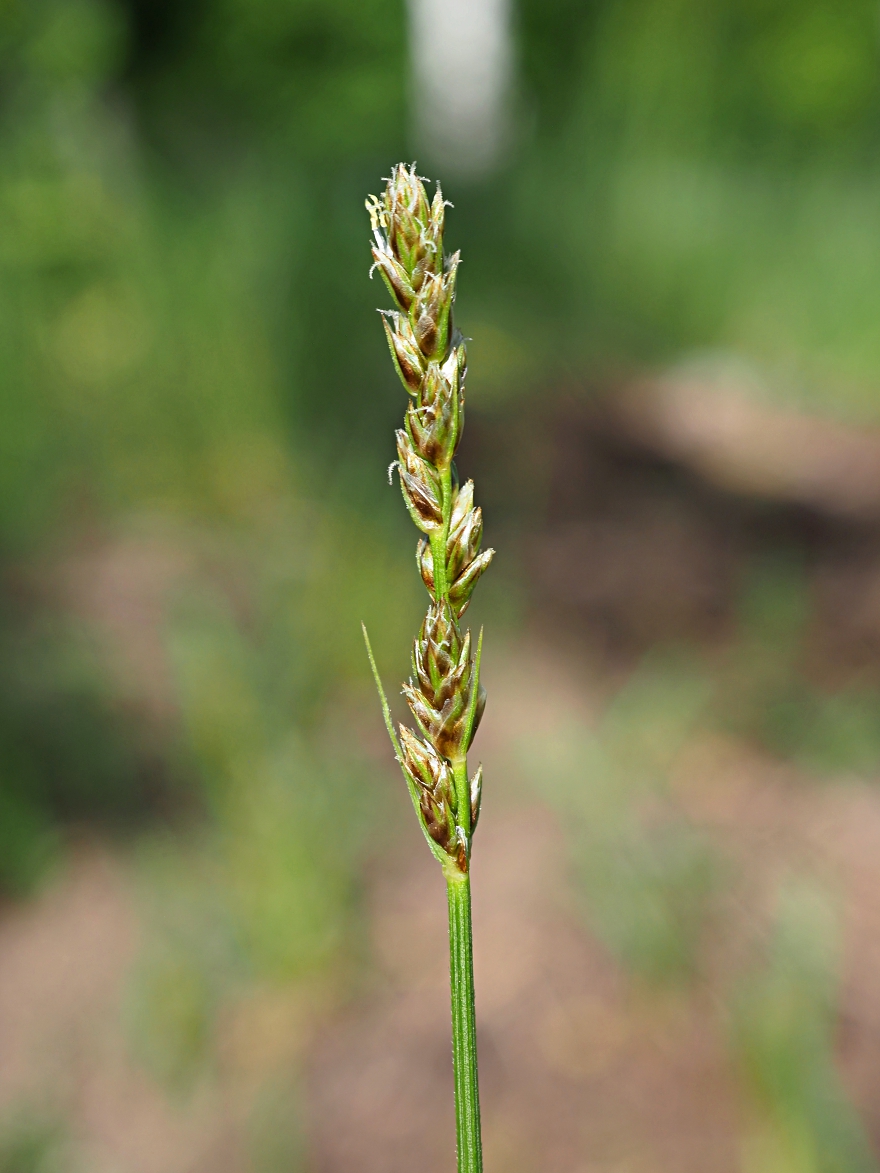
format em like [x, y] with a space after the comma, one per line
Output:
[461, 945]
[464, 1027]
[462, 795]
[440, 538]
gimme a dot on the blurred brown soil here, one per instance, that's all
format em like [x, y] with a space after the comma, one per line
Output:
[65, 1061]
[639, 513]
[712, 426]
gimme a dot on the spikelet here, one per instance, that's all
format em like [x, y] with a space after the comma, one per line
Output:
[444, 693]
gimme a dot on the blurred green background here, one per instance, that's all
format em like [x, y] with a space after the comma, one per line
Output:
[197, 413]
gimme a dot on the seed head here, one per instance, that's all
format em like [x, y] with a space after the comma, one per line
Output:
[429, 354]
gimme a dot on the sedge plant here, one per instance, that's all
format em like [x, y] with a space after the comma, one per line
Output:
[444, 692]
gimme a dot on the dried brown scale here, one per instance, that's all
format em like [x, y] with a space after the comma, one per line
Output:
[429, 354]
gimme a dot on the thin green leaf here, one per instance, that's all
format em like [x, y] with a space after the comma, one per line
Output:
[386, 712]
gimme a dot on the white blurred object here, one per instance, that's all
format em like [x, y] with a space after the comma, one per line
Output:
[462, 57]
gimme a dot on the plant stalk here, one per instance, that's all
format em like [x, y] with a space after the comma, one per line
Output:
[439, 537]
[464, 1027]
[444, 692]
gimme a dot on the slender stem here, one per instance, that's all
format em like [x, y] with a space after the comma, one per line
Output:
[461, 944]
[462, 795]
[464, 1027]
[441, 536]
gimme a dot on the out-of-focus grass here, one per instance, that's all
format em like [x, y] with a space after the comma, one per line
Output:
[782, 1027]
[31, 1146]
[159, 321]
[651, 884]
[252, 916]
[695, 179]
[258, 899]
[647, 874]
[654, 885]
[149, 340]
[765, 693]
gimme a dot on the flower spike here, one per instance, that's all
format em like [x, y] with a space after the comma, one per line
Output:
[444, 692]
